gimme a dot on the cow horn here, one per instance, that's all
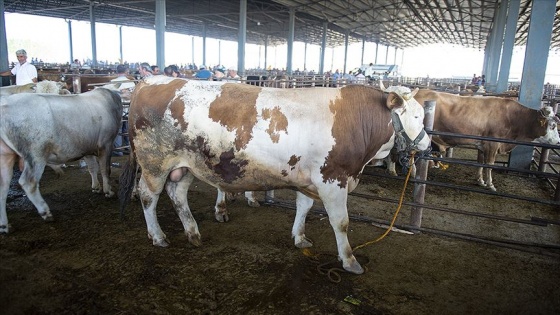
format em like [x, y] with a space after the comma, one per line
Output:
[381, 86]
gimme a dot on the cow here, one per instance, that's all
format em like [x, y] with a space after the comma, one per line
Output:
[6, 91]
[46, 129]
[488, 116]
[240, 137]
[49, 87]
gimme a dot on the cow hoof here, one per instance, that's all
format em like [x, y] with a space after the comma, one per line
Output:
[221, 217]
[194, 239]
[160, 243]
[354, 267]
[491, 187]
[109, 194]
[4, 229]
[47, 216]
[254, 204]
[304, 242]
[393, 173]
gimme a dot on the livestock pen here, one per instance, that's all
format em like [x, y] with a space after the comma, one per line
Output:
[89, 261]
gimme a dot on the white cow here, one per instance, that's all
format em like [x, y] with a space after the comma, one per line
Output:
[239, 137]
[42, 129]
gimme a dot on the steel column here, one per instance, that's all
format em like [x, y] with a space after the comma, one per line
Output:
[323, 47]
[507, 52]
[496, 49]
[160, 33]
[345, 50]
[70, 42]
[534, 67]
[291, 26]
[242, 38]
[93, 38]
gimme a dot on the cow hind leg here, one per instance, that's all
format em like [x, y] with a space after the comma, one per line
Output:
[178, 191]
[251, 200]
[29, 181]
[220, 209]
[105, 167]
[93, 169]
[303, 204]
[149, 200]
[7, 162]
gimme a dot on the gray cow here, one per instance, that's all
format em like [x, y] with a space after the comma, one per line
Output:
[47, 129]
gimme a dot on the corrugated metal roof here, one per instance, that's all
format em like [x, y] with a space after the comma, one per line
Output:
[395, 23]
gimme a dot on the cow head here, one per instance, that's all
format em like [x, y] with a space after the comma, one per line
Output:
[550, 120]
[408, 120]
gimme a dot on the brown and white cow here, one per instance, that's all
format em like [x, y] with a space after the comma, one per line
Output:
[488, 116]
[46, 129]
[239, 137]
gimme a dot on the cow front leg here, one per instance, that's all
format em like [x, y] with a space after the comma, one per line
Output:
[7, 162]
[334, 200]
[29, 181]
[303, 204]
[149, 201]
[178, 191]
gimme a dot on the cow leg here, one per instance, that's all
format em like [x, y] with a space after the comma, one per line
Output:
[269, 196]
[177, 191]
[105, 167]
[490, 159]
[220, 209]
[479, 178]
[93, 169]
[303, 204]
[251, 200]
[29, 181]
[7, 161]
[149, 200]
[335, 200]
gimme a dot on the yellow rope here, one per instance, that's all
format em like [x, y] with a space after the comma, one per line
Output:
[396, 212]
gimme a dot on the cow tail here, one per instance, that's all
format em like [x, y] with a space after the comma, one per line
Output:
[127, 181]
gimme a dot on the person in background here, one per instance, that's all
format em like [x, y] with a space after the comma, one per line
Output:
[219, 74]
[203, 73]
[24, 71]
[145, 70]
[176, 71]
[125, 87]
[232, 74]
[474, 79]
[155, 70]
[168, 71]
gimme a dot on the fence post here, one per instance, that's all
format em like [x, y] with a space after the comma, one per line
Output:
[77, 84]
[422, 170]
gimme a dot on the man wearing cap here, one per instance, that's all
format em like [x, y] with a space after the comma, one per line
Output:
[203, 73]
[24, 71]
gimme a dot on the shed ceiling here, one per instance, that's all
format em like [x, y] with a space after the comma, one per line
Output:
[395, 23]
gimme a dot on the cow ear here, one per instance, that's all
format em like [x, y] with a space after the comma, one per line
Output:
[394, 101]
[414, 92]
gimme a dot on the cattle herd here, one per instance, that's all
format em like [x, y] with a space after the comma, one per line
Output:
[242, 138]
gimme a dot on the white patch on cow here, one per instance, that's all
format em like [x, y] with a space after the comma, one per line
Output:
[49, 87]
[551, 135]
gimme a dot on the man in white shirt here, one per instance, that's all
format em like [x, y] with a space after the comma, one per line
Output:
[24, 71]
